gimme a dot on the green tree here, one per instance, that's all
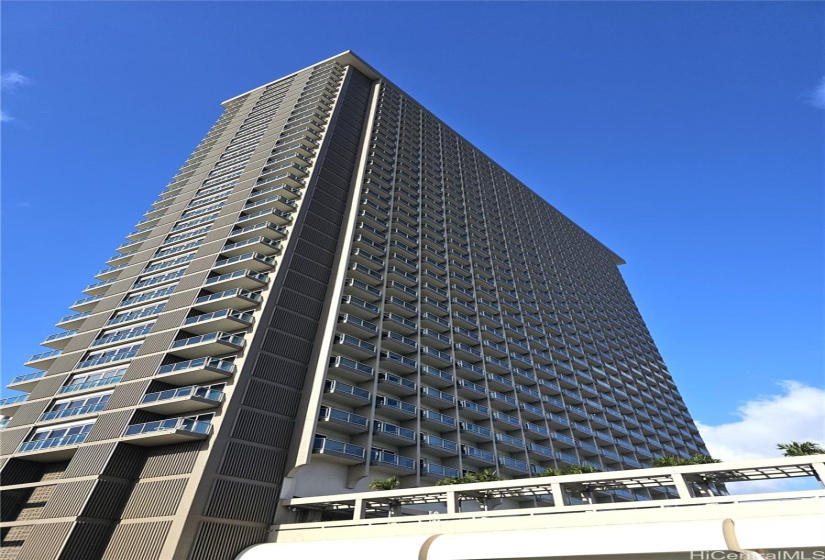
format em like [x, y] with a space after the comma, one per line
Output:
[569, 469]
[486, 475]
[385, 483]
[700, 459]
[675, 461]
[800, 449]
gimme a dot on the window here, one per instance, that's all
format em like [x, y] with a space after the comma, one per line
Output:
[110, 355]
[93, 379]
[57, 436]
[78, 405]
[123, 333]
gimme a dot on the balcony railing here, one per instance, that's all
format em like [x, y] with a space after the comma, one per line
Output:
[27, 378]
[51, 442]
[185, 399]
[68, 412]
[90, 384]
[107, 359]
[346, 452]
[219, 337]
[380, 457]
[8, 401]
[172, 424]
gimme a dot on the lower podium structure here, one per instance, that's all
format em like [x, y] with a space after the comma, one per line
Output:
[557, 517]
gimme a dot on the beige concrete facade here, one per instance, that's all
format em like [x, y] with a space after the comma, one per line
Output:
[336, 287]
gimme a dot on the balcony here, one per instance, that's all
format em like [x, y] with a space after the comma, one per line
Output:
[167, 432]
[542, 450]
[509, 443]
[338, 451]
[343, 421]
[283, 178]
[277, 202]
[259, 244]
[55, 448]
[183, 400]
[92, 384]
[106, 357]
[265, 229]
[53, 415]
[436, 377]
[512, 466]
[86, 304]
[436, 420]
[476, 456]
[398, 342]
[9, 405]
[196, 371]
[283, 190]
[244, 279]
[474, 432]
[356, 326]
[396, 385]
[98, 287]
[58, 340]
[359, 307]
[391, 433]
[363, 289]
[271, 215]
[387, 460]
[224, 320]
[436, 398]
[505, 421]
[438, 446]
[75, 320]
[27, 381]
[354, 347]
[350, 370]
[236, 298]
[437, 471]
[343, 393]
[395, 408]
[398, 363]
[247, 261]
[400, 323]
[43, 359]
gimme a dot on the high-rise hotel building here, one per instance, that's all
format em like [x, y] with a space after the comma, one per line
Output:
[335, 288]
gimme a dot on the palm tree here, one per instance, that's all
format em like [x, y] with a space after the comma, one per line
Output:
[486, 475]
[675, 461]
[700, 459]
[385, 483]
[800, 449]
[668, 461]
[451, 480]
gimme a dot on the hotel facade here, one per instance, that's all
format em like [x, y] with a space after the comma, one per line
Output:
[335, 288]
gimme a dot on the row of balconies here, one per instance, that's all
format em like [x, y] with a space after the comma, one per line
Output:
[338, 391]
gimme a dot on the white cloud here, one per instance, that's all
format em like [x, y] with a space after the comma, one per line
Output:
[9, 81]
[818, 96]
[13, 79]
[797, 413]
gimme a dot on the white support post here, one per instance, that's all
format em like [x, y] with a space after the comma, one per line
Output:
[681, 486]
[557, 493]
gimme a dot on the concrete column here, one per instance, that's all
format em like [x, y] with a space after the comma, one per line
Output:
[557, 493]
[452, 502]
[360, 509]
[681, 486]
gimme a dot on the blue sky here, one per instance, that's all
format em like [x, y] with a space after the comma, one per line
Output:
[688, 137]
